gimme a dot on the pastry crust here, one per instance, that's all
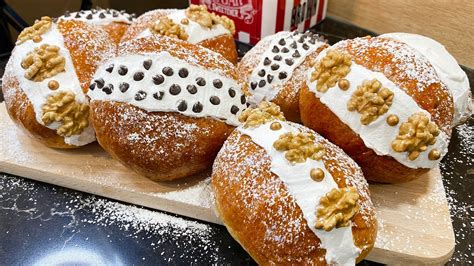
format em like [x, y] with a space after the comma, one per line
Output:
[434, 98]
[223, 44]
[116, 30]
[288, 96]
[263, 216]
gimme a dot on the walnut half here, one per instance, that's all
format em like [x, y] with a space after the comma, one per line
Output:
[200, 15]
[40, 27]
[266, 111]
[43, 62]
[62, 107]
[334, 66]
[165, 26]
[337, 208]
[299, 147]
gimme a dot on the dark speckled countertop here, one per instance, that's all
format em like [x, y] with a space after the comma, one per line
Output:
[42, 223]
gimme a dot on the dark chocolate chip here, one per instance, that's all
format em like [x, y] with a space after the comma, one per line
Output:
[266, 61]
[192, 89]
[312, 41]
[147, 64]
[175, 89]
[231, 92]
[92, 86]
[123, 70]
[282, 75]
[114, 14]
[289, 61]
[277, 58]
[275, 67]
[262, 83]
[100, 83]
[67, 14]
[242, 99]
[89, 16]
[141, 95]
[296, 54]
[215, 100]
[293, 45]
[270, 78]
[158, 79]
[200, 81]
[275, 49]
[234, 109]
[138, 76]
[159, 95]
[107, 90]
[110, 68]
[197, 107]
[77, 15]
[217, 83]
[261, 72]
[123, 87]
[285, 50]
[301, 40]
[253, 85]
[101, 15]
[183, 72]
[81, 12]
[182, 106]
[168, 71]
[305, 46]
[281, 42]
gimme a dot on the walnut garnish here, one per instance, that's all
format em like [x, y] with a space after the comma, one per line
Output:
[344, 84]
[62, 107]
[299, 146]
[40, 27]
[265, 111]
[53, 85]
[337, 208]
[317, 174]
[415, 135]
[334, 66]
[275, 126]
[44, 62]
[370, 100]
[392, 120]
[200, 15]
[165, 26]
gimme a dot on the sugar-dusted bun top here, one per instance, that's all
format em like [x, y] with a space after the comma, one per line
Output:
[100, 16]
[52, 63]
[389, 94]
[162, 74]
[446, 67]
[194, 24]
[274, 59]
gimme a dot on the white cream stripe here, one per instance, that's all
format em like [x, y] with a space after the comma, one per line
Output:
[339, 243]
[378, 135]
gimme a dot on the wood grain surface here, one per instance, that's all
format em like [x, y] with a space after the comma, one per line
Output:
[414, 220]
[449, 22]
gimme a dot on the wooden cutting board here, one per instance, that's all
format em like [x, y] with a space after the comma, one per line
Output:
[414, 221]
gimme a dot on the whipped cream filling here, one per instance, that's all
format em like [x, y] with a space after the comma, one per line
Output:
[339, 242]
[99, 16]
[38, 92]
[285, 53]
[446, 67]
[168, 84]
[196, 32]
[377, 135]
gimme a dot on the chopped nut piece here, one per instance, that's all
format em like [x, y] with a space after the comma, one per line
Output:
[166, 26]
[415, 135]
[275, 126]
[317, 174]
[62, 107]
[40, 27]
[370, 100]
[44, 62]
[334, 66]
[434, 155]
[337, 208]
[200, 14]
[299, 147]
[392, 120]
[266, 111]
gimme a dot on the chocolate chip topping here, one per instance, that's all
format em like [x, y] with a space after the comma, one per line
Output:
[266, 61]
[138, 76]
[92, 86]
[243, 100]
[293, 45]
[182, 106]
[158, 79]
[147, 64]
[168, 71]
[277, 57]
[281, 42]
[217, 83]
[183, 72]
[285, 50]
[215, 100]
[159, 95]
[123, 87]
[107, 90]
[305, 46]
[192, 89]
[312, 41]
[67, 14]
[101, 15]
[77, 15]
[141, 95]
[114, 14]
[231, 93]
[261, 72]
[289, 61]
[282, 75]
[275, 67]
[301, 40]
[100, 83]
[200, 81]
[270, 78]
[89, 16]
[253, 85]
[296, 54]
[110, 68]
[123, 70]
[197, 107]
[262, 83]
[234, 109]
[175, 89]
[275, 49]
